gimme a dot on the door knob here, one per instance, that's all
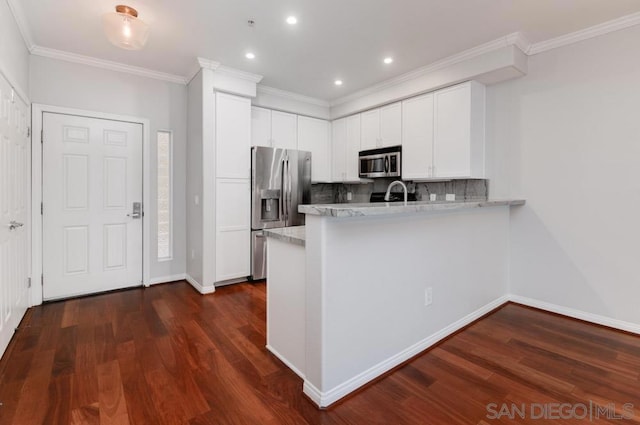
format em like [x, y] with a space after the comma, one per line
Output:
[137, 210]
[13, 225]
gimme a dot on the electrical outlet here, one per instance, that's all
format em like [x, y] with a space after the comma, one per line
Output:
[349, 196]
[196, 200]
[193, 254]
[433, 197]
[450, 197]
[428, 296]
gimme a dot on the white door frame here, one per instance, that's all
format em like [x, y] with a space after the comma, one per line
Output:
[37, 112]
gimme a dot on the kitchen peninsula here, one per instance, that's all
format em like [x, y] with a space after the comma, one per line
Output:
[382, 282]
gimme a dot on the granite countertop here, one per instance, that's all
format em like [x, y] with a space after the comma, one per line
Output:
[295, 235]
[389, 208]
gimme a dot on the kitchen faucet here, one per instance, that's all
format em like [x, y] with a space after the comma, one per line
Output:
[393, 183]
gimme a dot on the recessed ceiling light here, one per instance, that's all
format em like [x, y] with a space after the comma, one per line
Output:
[338, 82]
[292, 20]
[388, 60]
[250, 55]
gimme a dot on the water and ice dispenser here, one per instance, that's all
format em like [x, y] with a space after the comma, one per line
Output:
[270, 205]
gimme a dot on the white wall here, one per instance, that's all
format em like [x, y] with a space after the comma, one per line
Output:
[194, 179]
[567, 139]
[59, 83]
[14, 56]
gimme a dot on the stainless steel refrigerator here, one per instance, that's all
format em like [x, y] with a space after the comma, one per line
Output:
[280, 181]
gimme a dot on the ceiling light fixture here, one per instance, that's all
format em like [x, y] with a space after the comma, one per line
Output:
[124, 29]
[388, 60]
[250, 55]
[338, 82]
[292, 20]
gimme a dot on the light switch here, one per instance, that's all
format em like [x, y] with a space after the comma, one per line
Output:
[196, 200]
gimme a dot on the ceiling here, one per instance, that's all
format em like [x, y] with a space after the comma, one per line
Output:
[334, 39]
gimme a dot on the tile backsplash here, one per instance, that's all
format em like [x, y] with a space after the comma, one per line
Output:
[468, 190]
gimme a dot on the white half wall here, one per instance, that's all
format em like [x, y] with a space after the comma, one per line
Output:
[14, 55]
[566, 137]
[59, 83]
[366, 281]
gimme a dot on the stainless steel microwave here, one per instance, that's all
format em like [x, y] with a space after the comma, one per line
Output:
[384, 162]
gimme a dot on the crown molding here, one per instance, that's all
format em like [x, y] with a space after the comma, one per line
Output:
[105, 64]
[292, 96]
[207, 64]
[203, 63]
[520, 41]
[584, 34]
[18, 15]
[239, 74]
[508, 40]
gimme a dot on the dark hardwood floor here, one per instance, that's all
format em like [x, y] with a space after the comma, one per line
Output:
[167, 355]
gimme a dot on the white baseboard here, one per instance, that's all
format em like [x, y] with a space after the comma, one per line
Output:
[285, 361]
[324, 399]
[313, 393]
[198, 286]
[165, 279]
[577, 314]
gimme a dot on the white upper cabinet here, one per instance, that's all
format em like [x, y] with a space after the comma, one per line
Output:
[391, 125]
[458, 136]
[233, 136]
[346, 146]
[443, 134]
[417, 137]
[314, 135]
[381, 127]
[284, 130]
[352, 162]
[339, 149]
[260, 126]
[370, 129]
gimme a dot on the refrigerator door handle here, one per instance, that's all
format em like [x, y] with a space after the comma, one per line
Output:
[289, 180]
[283, 193]
[288, 190]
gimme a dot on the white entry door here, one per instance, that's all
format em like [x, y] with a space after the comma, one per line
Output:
[15, 186]
[92, 198]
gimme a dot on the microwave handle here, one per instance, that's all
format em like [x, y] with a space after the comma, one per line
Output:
[386, 164]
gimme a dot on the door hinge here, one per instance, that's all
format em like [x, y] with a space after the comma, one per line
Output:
[41, 208]
[28, 282]
[28, 131]
[42, 280]
[41, 136]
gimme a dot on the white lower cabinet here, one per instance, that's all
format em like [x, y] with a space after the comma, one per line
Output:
[233, 228]
[314, 135]
[443, 134]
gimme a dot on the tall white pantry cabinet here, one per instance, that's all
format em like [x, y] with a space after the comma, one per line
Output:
[233, 186]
